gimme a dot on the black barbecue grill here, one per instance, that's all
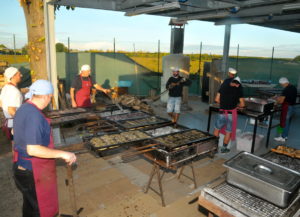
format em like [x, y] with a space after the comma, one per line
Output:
[117, 140]
[142, 122]
[127, 116]
[178, 151]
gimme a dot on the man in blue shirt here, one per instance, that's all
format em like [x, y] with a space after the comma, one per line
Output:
[34, 157]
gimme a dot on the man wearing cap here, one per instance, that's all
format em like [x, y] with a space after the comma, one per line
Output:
[175, 85]
[81, 88]
[231, 74]
[229, 96]
[288, 101]
[35, 167]
[11, 98]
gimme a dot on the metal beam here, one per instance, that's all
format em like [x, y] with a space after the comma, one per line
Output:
[261, 19]
[207, 15]
[210, 4]
[226, 50]
[50, 48]
[96, 4]
[125, 4]
[156, 8]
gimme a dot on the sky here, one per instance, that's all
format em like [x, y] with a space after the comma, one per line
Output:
[96, 29]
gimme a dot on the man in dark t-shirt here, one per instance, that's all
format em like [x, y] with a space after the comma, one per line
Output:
[80, 90]
[175, 86]
[287, 100]
[230, 96]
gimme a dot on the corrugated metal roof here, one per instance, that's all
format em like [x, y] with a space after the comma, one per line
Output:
[278, 14]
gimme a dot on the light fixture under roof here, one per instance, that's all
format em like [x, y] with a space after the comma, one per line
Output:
[156, 8]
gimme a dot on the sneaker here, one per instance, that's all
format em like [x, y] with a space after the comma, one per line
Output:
[280, 139]
[225, 150]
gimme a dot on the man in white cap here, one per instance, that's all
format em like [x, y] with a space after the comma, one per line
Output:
[231, 74]
[229, 96]
[80, 91]
[11, 98]
[288, 101]
[175, 86]
[34, 162]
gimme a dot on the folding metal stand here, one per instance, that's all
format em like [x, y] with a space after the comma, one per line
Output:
[157, 166]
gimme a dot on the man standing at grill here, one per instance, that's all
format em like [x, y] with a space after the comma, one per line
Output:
[229, 96]
[231, 74]
[288, 101]
[81, 88]
[11, 98]
[34, 168]
[175, 86]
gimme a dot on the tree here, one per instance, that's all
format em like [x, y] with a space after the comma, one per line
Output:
[34, 15]
[60, 47]
[297, 58]
[24, 49]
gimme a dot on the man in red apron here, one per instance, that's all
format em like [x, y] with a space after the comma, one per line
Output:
[34, 168]
[81, 88]
[230, 96]
[288, 101]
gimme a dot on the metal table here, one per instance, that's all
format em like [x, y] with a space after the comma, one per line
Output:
[256, 115]
[270, 92]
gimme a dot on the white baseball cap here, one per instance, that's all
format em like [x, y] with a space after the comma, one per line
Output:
[232, 71]
[237, 79]
[175, 69]
[85, 68]
[283, 80]
[10, 72]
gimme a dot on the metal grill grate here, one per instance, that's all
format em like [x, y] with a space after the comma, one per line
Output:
[248, 204]
[283, 160]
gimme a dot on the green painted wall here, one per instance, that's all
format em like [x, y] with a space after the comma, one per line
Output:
[107, 70]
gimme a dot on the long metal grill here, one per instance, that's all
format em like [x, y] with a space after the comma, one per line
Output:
[250, 205]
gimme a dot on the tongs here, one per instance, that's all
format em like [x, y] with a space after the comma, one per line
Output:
[139, 150]
[115, 102]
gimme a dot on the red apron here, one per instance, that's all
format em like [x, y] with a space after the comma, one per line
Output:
[6, 130]
[83, 96]
[234, 122]
[44, 174]
[284, 111]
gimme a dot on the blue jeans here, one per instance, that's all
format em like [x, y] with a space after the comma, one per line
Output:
[174, 104]
[223, 121]
[291, 111]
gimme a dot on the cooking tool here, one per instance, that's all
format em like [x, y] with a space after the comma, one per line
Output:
[263, 178]
[139, 150]
[259, 105]
[116, 103]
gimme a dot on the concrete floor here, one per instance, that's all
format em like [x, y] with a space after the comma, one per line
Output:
[108, 187]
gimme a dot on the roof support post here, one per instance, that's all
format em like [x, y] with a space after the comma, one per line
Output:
[226, 46]
[50, 48]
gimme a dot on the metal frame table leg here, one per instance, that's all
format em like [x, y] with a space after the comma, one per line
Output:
[155, 170]
[193, 173]
[269, 129]
[209, 119]
[254, 135]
